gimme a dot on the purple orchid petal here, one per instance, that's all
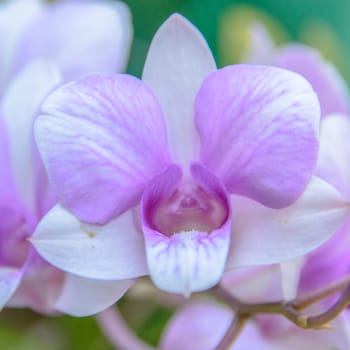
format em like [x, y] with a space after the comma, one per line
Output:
[102, 139]
[258, 128]
[19, 110]
[333, 163]
[81, 37]
[9, 281]
[199, 325]
[330, 87]
[177, 63]
[329, 262]
[187, 238]
[15, 17]
[83, 297]
[114, 251]
[278, 235]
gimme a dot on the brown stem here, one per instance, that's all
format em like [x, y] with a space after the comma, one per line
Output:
[233, 332]
[291, 309]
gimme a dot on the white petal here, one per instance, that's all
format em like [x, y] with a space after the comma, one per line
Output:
[177, 63]
[266, 236]
[20, 106]
[112, 252]
[82, 296]
[290, 272]
[187, 262]
[9, 281]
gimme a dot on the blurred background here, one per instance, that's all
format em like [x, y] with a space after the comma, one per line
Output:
[322, 24]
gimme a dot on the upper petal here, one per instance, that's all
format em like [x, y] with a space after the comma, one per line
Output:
[80, 36]
[258, 128]
[102, 138]
[112, 252]
[263, 236]
[177, 63]
[83, 296]
[330, 87]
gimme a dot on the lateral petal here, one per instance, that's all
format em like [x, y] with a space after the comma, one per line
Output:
[102, 139]
[83, 297]
[263, 236]
[114, 251]
[259, 129]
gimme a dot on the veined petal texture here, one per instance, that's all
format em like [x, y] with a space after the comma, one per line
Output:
[259, 131]
[102, 139]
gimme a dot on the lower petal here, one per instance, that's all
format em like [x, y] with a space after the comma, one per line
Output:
[265, 236]
[110, 252]
[83, 297]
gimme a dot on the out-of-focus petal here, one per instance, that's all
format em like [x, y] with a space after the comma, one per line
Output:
[261, 45]
[20, 105]
[114, 251]
[259, 128]
[81, 37]
[190, 260]
[40, 285]
[199, 325]
[330, 87]
[332, 258]
[177, 63]
[333, 162]
[254, 283]
[9, 281]
[15, 17]
[83, 297]
[264, 236]
[102, 138]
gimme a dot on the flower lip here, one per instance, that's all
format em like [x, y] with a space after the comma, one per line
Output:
[189, 208]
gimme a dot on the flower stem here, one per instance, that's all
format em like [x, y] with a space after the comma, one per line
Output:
[233, 332]
[291, 309]
[117, 331]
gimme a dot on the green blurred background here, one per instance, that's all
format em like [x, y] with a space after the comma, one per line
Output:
[323, 24]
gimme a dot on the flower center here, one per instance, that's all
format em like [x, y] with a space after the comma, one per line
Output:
[189, 208]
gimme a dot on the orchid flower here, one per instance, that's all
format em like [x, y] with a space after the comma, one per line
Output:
[329, 85]
[155, 175]
[26, 280]
[209, 321]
